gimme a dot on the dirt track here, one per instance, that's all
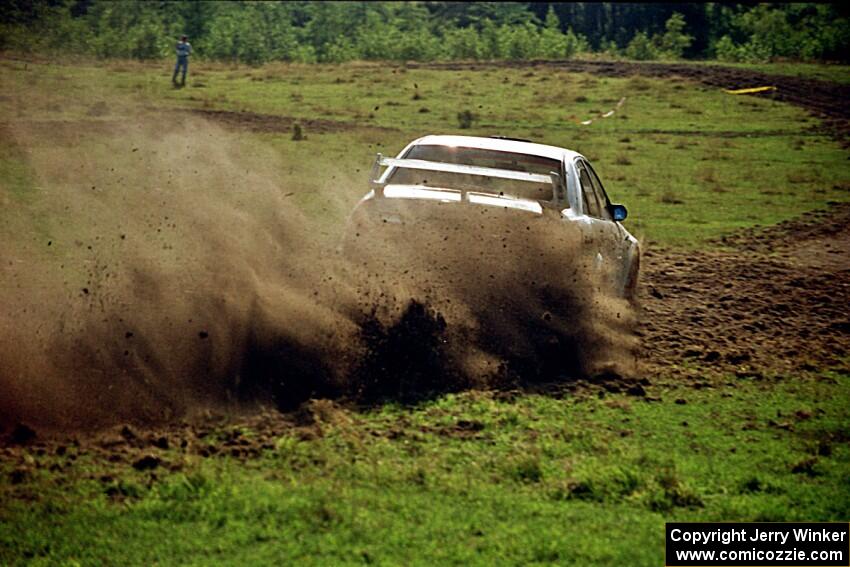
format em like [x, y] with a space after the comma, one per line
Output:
[755, 304]
[273, 123]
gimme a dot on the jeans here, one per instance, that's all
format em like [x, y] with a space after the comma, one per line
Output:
[182, 62]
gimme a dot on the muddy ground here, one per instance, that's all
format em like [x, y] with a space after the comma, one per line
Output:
[756, 304]
[762, 304]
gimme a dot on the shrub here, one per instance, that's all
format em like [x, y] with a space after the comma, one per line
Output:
[575, 43]
[463, 43]
[553, 44]
[610, 48]
[519, 41]
[726, 50]
[419, 45]
[304, 54]
[340, 51]
[674, 42]
[641, 48]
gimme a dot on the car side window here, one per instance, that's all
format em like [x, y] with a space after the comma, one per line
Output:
[588, 195]
[600, 193]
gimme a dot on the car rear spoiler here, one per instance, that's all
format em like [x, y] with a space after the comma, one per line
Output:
[377, 183]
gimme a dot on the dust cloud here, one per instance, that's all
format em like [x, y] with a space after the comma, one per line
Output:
[514, 295]
[156, 267]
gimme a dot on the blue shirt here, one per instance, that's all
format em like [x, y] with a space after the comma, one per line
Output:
[184, 49]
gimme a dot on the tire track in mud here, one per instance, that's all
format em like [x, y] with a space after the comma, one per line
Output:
[760, 304]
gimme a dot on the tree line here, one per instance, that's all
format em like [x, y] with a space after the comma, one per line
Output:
[257, 32]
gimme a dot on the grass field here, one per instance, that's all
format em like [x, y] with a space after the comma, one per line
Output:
[466, 479]
[584, 477]
[673, 153]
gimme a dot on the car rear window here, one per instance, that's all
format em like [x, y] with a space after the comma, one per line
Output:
[484, 158]
[481, 158]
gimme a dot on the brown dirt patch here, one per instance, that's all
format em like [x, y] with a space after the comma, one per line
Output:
[761, 303]
[274, 123]
[70, 131]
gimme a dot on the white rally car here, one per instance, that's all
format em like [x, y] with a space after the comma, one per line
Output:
[466, 174]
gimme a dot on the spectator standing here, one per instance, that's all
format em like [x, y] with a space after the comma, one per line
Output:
[183, 49]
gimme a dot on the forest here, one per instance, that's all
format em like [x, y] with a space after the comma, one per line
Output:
[259, 32]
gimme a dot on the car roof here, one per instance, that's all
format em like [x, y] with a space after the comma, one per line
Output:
[498, 144]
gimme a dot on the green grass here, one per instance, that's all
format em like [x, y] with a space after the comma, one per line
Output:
[18, 178]
[472, 478]
[586, 479]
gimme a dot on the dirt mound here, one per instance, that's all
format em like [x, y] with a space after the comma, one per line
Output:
[826, 227]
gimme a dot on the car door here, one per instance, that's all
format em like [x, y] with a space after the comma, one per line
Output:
[608, 236]
[624, 240]
[575, 213]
